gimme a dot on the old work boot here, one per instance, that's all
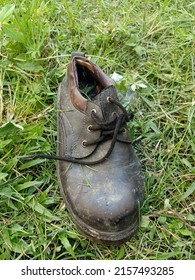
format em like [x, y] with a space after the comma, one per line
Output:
[98, 170]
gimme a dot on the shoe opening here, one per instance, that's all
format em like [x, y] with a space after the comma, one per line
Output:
[88, 84]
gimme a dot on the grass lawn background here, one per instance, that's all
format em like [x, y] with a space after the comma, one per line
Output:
[151, 44]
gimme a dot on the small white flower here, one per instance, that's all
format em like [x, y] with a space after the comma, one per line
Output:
[138, 85]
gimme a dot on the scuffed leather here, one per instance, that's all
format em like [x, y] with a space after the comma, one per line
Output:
[74, 124]
[104, 199]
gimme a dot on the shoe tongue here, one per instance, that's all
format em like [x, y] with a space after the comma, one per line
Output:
[105, 93]
[102, 100]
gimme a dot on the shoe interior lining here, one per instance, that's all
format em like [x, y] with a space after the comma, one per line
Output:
[87, 81]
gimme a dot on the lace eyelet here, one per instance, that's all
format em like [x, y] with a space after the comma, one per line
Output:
[93, 111]
[114, 114]
[84, 143]
[124, 130]
[109, 99]
[89, 128]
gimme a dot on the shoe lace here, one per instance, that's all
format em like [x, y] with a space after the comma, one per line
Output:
[110, 130]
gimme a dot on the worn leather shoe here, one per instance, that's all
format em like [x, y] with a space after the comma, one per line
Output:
[98, 170]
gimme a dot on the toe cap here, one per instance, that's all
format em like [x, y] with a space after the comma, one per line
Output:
[109, 208]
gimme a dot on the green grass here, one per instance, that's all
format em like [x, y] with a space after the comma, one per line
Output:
[149, 43]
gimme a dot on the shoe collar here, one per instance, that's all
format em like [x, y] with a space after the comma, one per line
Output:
[103, 81]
